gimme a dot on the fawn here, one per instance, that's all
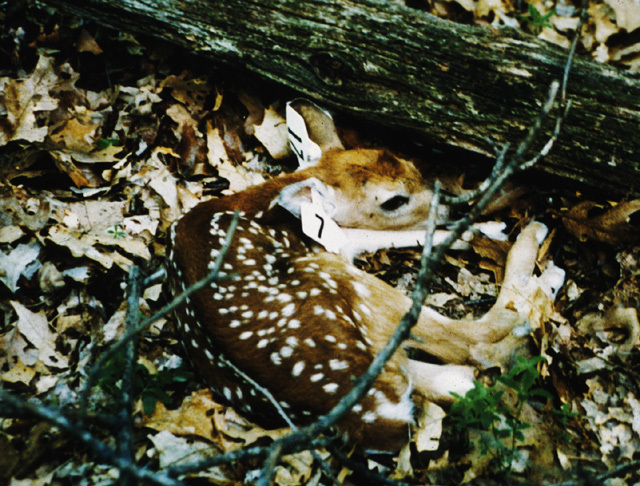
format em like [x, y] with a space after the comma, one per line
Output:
[304, 323]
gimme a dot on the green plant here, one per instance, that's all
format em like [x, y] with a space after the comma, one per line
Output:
[565, 415]
[535, 19]
[103, 143]
[149, 387]
[116, 231]
[482, 408]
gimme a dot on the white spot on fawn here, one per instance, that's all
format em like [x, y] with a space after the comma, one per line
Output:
[336, 364]
[288, 310]
[298, 368]
[294, 324]
[330, 387]
[361, 290]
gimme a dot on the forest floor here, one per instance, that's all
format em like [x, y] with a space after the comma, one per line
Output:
[106, 138]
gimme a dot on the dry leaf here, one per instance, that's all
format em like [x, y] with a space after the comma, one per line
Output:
[24, 100]
[22, 260]
[9, 234]
[174, 450]
[430, 431]
[81, 176]
[616, 225]
[493, 253]
[35, 328]
[19, 373]
[192, 418]
[19, 208]
[88, 227]
[86, 43]
[627, 13]
[78, 134]
[192, 93]
[616, 322]
[273, 134]
[239, 178]
[604, 27]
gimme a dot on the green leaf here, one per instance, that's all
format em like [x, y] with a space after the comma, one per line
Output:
[103, 143]
[148, 404]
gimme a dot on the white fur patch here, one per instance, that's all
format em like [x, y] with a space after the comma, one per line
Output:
[402, 410]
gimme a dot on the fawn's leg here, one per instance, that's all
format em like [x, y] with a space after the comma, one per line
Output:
[470, 341]
[379, 308]
[436, 382]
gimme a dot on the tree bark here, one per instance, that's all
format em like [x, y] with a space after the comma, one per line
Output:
[447, 83]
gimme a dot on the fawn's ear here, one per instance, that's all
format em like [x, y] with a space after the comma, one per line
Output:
[308, 191]
[312, 132]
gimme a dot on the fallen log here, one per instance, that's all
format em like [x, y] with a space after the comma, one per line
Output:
[440, 81]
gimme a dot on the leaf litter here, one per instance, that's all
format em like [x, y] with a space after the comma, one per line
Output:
[97, 173]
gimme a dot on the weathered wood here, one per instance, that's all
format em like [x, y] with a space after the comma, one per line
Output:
[448, 83]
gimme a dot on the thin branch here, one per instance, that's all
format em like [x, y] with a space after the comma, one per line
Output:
[572, 51]
[269, 466]
[214, 275]
[475, 193]
[100, 451]
[267, 473]
[125, 413]
[371, 477]
[246, 454]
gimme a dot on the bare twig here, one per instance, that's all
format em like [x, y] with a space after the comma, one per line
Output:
[266, 472]
[125, 413]
[620, 470]
[269, 466]
[214, 275]
[245, 454]
[371, 477]
[100, 451]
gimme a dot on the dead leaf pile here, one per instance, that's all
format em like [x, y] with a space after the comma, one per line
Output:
[608, 34]
[93, 174]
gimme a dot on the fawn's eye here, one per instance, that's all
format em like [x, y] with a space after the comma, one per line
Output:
[394, 203]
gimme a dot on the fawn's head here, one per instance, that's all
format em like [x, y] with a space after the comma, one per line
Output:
[358, 188]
